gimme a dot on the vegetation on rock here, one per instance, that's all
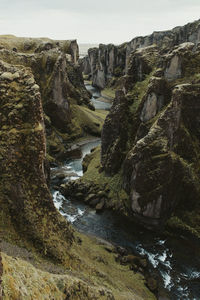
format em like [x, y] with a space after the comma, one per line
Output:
[42, 256]
[152, 140]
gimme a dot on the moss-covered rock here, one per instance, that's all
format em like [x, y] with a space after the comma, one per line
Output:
[160, 137]
[61, 86]
[115, 143]
[157, 176]
[26, 204]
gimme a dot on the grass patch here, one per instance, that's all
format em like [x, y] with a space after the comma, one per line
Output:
[87, 121]
[137, 93]
[118, 198]
[108, 92]
[96, 271]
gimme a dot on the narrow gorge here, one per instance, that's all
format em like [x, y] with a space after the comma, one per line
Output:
[100, 168]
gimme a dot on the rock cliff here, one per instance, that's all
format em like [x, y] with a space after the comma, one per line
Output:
[154, 138]
[64, 96]
[26, 203]
[109, 61]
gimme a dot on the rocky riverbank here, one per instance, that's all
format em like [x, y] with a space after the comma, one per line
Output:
[176, 275]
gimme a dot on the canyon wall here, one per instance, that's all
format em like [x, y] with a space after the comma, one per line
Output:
[65, 100]
[27, 207]
[109, 61]
[152, 136]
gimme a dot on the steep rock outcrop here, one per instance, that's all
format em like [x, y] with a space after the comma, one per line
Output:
[26, 203]
[160, 172]
[112, 61]
[122, 121]
[104, 62]
[61, 86]
[156, 97]
[57, 105]
[58, 80]
[114, 145]
[141, 63]
[85, 65]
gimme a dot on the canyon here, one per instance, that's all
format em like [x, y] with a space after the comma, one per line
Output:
[45, 107]
[123, 141]
[150, 137]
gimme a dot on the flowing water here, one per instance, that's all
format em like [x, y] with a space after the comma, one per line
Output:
[98, 101]
[176, 260]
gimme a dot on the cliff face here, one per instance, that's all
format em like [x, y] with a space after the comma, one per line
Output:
[109, 61]
[53, 64]
[103, 63]
[114, 134]
[59, 80]
[1, 273]
[160, 171]
[26, 203]
[162, 139]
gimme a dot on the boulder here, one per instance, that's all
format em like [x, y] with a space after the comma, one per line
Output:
[99, 207]
[94, 202]
[152, 284]
[90, 197]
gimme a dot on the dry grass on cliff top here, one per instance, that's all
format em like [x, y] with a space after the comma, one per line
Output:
[27, 44]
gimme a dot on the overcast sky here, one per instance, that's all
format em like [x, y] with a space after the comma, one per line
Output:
[91, 21]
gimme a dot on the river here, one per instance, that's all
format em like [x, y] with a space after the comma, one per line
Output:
[176, 260]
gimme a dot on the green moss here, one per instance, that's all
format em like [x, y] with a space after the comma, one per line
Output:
[108, 92]
[85, 121]
[118, 71]
[112, 184]
[190, 69]
[176, 225]
[137, 93]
